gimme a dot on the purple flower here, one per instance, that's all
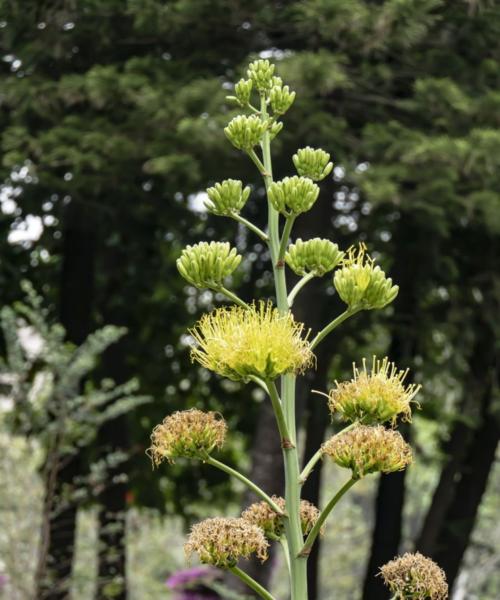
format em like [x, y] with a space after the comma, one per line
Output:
[190, 577]
[3, 580]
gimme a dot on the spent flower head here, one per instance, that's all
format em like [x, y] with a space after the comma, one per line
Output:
[293, 195]
[208, 264]
[312, 163]
[245, 132]
[377, 395]
[239, 343]
[223, 541]
[415, 577]
[187, 433]
[317, 256]
[273, 524]
[367, 450]
[227, 198]
[361, 284]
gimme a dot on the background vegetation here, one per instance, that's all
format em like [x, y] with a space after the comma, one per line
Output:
[111, 117]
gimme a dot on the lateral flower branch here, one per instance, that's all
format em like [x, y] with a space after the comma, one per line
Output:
[259, 343]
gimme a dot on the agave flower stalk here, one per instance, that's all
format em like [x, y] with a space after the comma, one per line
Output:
[262, 344]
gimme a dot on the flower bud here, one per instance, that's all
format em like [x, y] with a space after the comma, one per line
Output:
[275, 128]
[208, 264]
[238, 342]
[281, 99]
[261, 73]
[293, 195]
[227, 198]
[361, 284]
[273, 524]
[243, 90]
[367, 450]
[415, 577]
[223, 541]
[375, 396]
[317, 256]
[312, 163]
[245, 132]
[188, 433]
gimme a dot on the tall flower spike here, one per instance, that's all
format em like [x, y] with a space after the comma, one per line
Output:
[312, 163]
[374, 396]
[415, 577]
[222, 542]
[315, 256]
[245, 132]
[238, 342]
[261, 73]
[361, 284]
[273, 524]
[367, 450]
[188, 433]
[227, 198]
[293, 195]
[208, 264]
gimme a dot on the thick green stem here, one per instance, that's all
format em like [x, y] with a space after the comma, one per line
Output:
[285, 237]
[263, 593]
[313, 534]
[263, 236]
[250, 484]
[232, 296]
[298, 286]
[331, 326]
[293, 529]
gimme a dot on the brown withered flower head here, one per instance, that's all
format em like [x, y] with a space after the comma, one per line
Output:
[273, 524]
[223, 541]
[367, 449]
[188, 433]
[415, 577]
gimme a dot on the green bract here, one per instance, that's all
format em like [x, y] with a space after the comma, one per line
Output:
[293, 195]
[312, 163]
[361, 284]
[208, 264]
[245, 132]
[227, 198]
[317, 256]
[281, 99]
[261, 73]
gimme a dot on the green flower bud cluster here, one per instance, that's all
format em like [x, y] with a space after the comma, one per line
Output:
[317, 256]
[312, 163]
[208, 264]
[281, 99]
[293, 195]
[361, 284]
[261, 73]
[275, 128]
[245, 132]
[227, 198]
[243, 90]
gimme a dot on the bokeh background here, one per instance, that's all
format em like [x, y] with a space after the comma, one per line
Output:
[111, 118]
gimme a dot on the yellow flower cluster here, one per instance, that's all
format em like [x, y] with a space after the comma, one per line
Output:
[188, 433]
[238, 343]
[374, 396]
[223, 541]
[262, 515]
[367, 450]
[415, 577]
[361, 284]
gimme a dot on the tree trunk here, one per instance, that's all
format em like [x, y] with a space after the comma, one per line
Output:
[76, 299]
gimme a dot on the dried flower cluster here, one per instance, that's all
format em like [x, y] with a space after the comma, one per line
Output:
[415, 577]
[189, 433]
[367, 450]
[238, 343]
[262, 515]
[374, 396]
[223, 541]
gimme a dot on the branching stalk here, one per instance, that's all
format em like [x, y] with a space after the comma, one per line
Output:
[331, 326]
[232, 296]
[256, 587]
[298, 286]
[263, 236]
